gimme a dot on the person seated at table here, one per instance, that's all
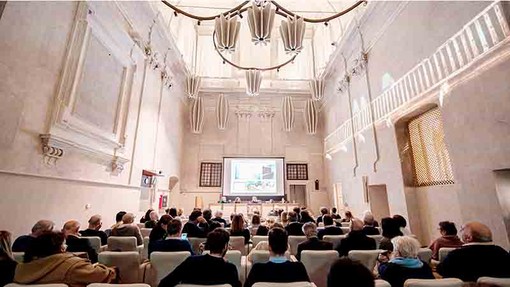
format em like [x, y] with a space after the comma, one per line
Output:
[21, 243]
[95, 224]
[329, 227]
[312, 241]
[174, 241]
[448, 238]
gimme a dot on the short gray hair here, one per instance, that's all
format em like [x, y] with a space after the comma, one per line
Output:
[42, 226]
[310, 229]
[405, 246]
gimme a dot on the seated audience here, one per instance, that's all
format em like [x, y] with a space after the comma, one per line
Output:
[305, 217]
[218, 217]
[46, 262]
[448, 238]
[348, 273]
[94, 229]
[402, 223]
[369, 214]
[348, 217]
[369, 227]
[294, 227]
[147, 216]
[334, 215]
[211, 268]
[312, 241]
[172, 212]
[128, 228]
[324, 211]
[279, 268]
[237, 228]
[390, 229]
[297, 210]
[191, 227]
[263, 229]
[7, 262]
[404, 263]
[118, 220]
[329, 227]
[284, 219]
[21, 243]
[478, 257]
[356, 239]
[159, 232]
[211, 225]
[264, 245]
[255, 222]
[173, 242]
[180, 213]
[153, 220]
[74, 241]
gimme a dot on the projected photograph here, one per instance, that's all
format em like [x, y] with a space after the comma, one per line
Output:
[253, 176]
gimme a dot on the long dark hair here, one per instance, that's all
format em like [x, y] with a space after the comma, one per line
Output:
[305, 217]
[147, 216]
[237, 223]
[390, 228]
[46, 244]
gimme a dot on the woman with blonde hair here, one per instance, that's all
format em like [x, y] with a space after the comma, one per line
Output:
[7, 263]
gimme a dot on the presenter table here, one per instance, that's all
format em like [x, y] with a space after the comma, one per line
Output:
[247, 208]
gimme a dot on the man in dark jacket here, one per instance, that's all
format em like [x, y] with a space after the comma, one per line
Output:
[324, 211]
[94, 229]
[75, 243]
[478, 257]
[192, 228]
[312, 242]
[21, 243]
[356, 239]
[294, 227]
[329, 227]
[173, 242]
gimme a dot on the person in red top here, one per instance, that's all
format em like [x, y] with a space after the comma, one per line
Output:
[448, 238]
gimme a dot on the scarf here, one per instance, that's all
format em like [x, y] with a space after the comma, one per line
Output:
[407, 262]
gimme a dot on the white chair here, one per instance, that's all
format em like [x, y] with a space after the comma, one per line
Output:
[237, 243]
[262, 256]
[492, 281]
[142, 225]
[36, 285]
[165, 262]
[193, 285]
[257, 238]
[448, 282]
[122, 243]
[145, 252]
[443, 252]
[95, 242]
[381, 283]
[294, 242]
[317, 264]
[145, 231]
[334, 239]
[377, 239]
[346, 230]
[234, 257]
[18, 256]
[345, 224]
[128, 263]
[425, 255]
[365, 257]
[195, 243]
[292, 284]
[118, 285]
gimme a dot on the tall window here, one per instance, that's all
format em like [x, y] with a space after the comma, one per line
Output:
[210, 174]
[431, 159]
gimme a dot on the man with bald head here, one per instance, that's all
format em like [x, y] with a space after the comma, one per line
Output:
[478, 256]
[21, 243]
[95, 223]
[74, 241]
[356, 239]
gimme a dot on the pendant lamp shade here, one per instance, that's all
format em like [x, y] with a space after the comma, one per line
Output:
[222, 111]
[287, 113]
[311, 117]
[253, 81]
[260, 22]
[227, 32]
[293, 31]
[317, 87]
[193, 86]
[197, 115]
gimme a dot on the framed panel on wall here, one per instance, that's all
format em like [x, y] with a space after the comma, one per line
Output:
[210, 174]
[297, 171]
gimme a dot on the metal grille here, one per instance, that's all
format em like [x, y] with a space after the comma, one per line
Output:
[297, 171]
[431, 160]
[210, 174]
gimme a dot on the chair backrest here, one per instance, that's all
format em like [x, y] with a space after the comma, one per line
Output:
[193, 285]
[237, 243]
[365, 257]
[145, 252]
[425, 254]
[122, 243]
[334, 239]
[448, 282]
[262, 256]
[165, 262]
[317, 264]
[95, 242]
[18, 256]
[345, 229]
[443, 252]
[294, 241]
[140, 225]
[377, 239]
[321, 224]
[257, 238]
[345, 224]
[491, 281]
[195, 243]
[381, 283]
[36, 285]
[118, 285]
[145, 231]
[234, 257]
[253, 230]
[128, 263]
[291, 284]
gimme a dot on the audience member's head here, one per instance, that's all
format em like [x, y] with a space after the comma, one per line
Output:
[348, 215]
[333, 210]
[305, 216]
[147, 216]
[180, 212]
[193, 217]
[400, 220]
[284, 217]
[237, 223]
[356, 224]
[118, 217]
[368, 218]
[278, 241]
[327, 220]
[207, 214]
[174, 228]
[95, 222]
[292, 216]
[310, 229]
[153, 216]
[255, 220]
[42, 226]
[164, 221]
[5, 245]
[217, 241]
[296, 209]
[324, 211]
[47, 244]
[476, 232]
[172, 212]
[128, 218]
[390, 228]
[276, 225]
[349, 273]
[218, 214]
[447, 228]
[71, 227]
[405, 247]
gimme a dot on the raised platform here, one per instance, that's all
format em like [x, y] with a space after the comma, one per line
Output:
[247, 208]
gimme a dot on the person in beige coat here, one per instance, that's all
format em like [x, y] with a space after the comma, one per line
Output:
[46, 262]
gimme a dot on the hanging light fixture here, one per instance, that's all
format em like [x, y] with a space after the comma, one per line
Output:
[260, 22]
[253, 81]
[311, 117]
[227, 32]
[193, 86]
[197, 115]
[317, 87]
[222, 111]
[287, 113]
[293, 32]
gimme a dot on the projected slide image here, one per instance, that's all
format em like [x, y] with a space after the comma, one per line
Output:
[253, 176]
